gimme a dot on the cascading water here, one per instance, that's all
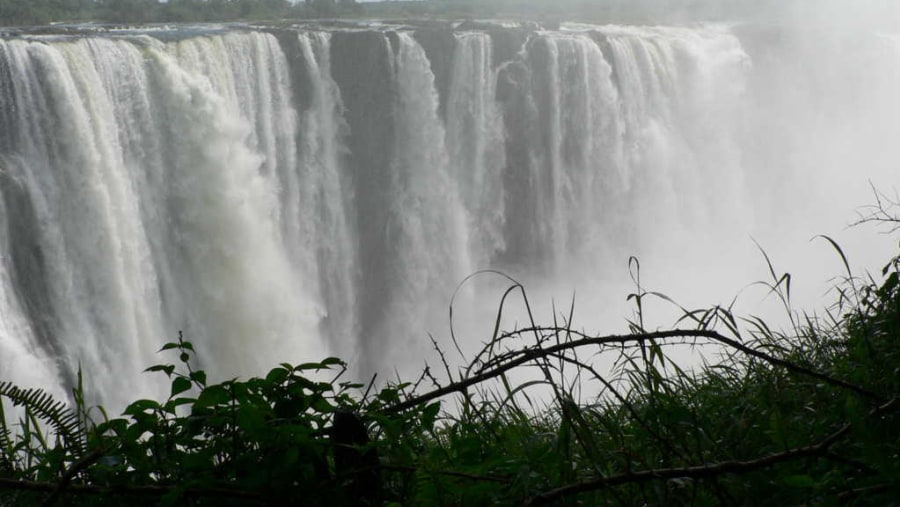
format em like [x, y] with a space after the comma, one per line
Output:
[475, 142]
[424, 209]
[285, 194]
[150, 171]
[321, 188]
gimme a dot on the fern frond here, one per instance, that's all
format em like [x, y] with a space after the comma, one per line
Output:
[63, 420]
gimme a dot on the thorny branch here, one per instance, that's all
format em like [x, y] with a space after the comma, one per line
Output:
[518, 358]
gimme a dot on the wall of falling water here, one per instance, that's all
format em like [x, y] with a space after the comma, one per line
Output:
[280, 195]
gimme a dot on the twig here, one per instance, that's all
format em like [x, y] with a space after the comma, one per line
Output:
[440, 352]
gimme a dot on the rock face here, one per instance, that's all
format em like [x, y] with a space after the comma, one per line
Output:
[323, 189]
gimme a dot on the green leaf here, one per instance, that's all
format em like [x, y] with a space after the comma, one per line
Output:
[431, 411]
[890, 284]
[310, 366]
[167, 368]
[169, 346]
[322, 405]
[277, 376]
[389, 395]
[211, 396]
[140, 407]
[251, 419]
[799, 481]
[177, 402]
[113, 426]
[199, 377]
[180, 385]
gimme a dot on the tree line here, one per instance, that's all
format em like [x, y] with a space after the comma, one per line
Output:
[41, 12]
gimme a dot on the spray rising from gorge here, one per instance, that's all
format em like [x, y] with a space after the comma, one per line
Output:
[279, 195]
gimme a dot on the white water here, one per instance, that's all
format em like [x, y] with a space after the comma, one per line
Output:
[208, 185]
[425, 226]
[475, 140]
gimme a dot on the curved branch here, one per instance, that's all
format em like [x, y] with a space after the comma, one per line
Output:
[527, 355]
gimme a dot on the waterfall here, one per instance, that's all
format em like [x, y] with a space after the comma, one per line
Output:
[82, 259]
[573, 151]
[284, 194]
[150, 171]
[234, 271]
[475, 142]
[423, 208]
[324, 190]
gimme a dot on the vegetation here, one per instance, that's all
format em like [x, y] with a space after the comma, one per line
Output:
[40, 12]
[805, 417]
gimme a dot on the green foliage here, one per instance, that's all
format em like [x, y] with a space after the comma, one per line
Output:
[37, 12]
[262, 435]
[40, 12]
[806, 416]
[40, 406]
